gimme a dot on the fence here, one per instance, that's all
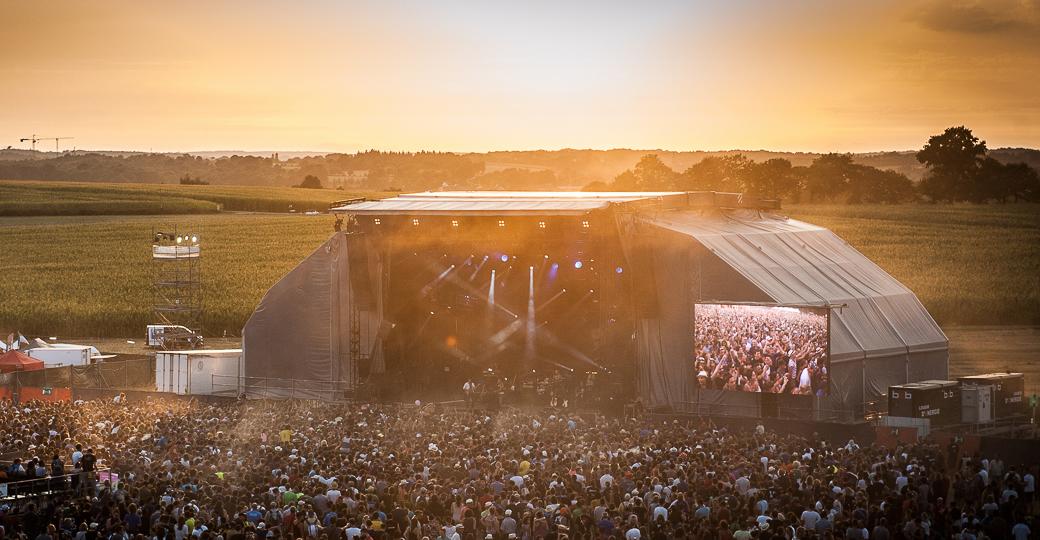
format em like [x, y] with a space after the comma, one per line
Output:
[801, 411]
[52, 485]
[60, 383]
[265, 388]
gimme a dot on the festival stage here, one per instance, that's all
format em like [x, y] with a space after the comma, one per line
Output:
[701, 303]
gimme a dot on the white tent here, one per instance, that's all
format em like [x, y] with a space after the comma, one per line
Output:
[880, 333]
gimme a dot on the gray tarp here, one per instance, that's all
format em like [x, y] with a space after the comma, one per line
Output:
[295, 343]
[880, 332]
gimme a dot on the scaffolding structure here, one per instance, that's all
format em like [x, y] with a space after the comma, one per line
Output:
[177, 277]
[351, 379]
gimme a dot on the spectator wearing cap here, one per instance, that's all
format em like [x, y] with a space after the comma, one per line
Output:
[508, 524]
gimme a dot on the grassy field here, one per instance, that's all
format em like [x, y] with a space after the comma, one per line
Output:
[89, 276]
[968, 264]
[46, 198]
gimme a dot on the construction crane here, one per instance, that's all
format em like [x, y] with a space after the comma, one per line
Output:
[34, 139]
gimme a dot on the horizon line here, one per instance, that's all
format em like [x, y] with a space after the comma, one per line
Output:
[471, 152]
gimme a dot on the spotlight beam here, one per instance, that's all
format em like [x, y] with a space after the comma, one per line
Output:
[419, 332]
[491, 290]
[474, 291]
[479, 267]
[435, 281]
[551, 299]
[574, 353]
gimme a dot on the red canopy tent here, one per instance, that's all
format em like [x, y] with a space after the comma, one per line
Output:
[17, 361]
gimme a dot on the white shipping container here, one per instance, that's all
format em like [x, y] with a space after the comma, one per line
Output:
[199, 372]
[976, 403]
[66, 355]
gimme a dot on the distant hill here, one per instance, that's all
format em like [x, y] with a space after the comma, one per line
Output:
[586, 166]
[521, 169]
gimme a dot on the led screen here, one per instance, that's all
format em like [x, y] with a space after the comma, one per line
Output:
[780, 350]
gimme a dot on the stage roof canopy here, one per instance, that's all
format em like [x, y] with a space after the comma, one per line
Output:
[502, 202]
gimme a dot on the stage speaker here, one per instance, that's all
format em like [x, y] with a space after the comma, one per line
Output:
[361, 283]
[770, 405]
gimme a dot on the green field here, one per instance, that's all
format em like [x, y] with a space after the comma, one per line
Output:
[89, 276]
[46, 198]
[968, 264]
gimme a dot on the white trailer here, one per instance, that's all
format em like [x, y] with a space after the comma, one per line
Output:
[200, 372]
[66, 355]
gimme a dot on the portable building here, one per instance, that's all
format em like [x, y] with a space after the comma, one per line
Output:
[977, 403]
[199, 372]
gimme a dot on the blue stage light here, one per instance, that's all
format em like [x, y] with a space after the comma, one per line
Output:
[504, 258]
[578, 265]
[619, 270]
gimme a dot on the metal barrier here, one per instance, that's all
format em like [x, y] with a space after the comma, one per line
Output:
[725, 409]
[50, 485]
[277, 388]
[114, 375]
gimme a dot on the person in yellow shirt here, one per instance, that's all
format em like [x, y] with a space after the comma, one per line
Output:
[285, 434]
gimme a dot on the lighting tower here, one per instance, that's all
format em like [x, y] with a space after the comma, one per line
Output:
[177, 283]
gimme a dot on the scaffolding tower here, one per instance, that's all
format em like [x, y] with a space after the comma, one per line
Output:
[356, 357]
[177, 277]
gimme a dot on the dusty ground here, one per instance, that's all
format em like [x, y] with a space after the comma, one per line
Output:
[138, 348]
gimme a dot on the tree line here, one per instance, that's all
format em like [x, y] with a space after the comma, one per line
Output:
[957, 167]
[958, 170]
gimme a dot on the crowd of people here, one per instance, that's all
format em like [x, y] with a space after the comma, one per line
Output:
[182, 470]
[778, 350]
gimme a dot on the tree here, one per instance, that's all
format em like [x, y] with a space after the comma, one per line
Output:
[828, 177]
[626, 181]
[772, 179]
[596, 185]
[649, 174]
[716, 173]
[187, 180]
[516, 179]
[652, 174]
[1000, 182]
[954, 159]
[873, 185]
[1023, 182]
[310, 182]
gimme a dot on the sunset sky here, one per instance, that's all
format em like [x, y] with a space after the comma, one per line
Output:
[475, 76]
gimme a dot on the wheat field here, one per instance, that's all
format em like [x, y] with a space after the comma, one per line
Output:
[89, 276]
[47, 198]
[968, 264]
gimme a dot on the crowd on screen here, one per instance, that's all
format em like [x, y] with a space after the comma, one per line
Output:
[761, 349]
[313, 471]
